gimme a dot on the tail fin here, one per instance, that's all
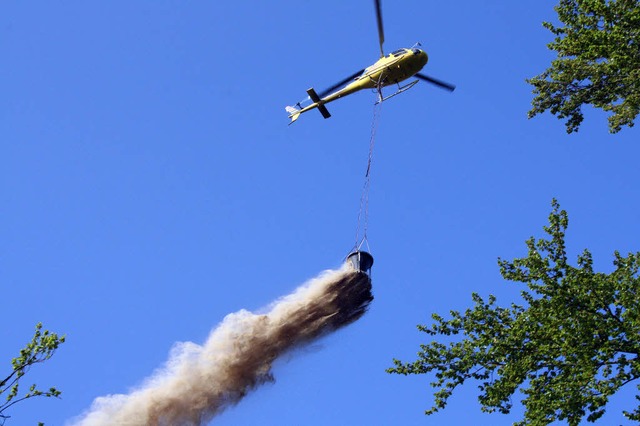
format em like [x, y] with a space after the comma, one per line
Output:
[294, 113]
[316, 99]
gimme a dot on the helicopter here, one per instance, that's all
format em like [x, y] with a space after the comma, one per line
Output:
[393, 68]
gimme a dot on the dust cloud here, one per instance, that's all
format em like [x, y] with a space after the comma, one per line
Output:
[200, 381]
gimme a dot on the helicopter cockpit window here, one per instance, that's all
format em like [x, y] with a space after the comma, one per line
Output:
[398, 52]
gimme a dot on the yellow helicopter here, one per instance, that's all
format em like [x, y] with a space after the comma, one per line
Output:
[390, 69]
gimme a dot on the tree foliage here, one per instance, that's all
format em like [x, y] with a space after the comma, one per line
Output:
[41, 347]
[598, 63]
[573, 343]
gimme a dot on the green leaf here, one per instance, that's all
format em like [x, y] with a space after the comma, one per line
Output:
[598, 63]
[574, 343]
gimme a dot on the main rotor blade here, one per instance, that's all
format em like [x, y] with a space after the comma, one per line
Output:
[380, 27]
[325, 92]
[439, 83]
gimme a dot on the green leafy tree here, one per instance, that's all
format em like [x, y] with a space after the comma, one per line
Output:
[42, 347]
[598, 63]
[573, 344]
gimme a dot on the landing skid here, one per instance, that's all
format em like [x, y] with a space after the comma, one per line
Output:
[400, 90]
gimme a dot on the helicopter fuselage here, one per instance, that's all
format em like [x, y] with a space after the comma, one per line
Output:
[390, 69]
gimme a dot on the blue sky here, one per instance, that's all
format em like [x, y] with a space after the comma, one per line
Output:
[150, 186]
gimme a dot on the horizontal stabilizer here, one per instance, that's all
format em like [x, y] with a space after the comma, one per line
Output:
[316, 99]
[313, 95]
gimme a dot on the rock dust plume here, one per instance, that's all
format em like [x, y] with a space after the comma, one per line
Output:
[199, 382]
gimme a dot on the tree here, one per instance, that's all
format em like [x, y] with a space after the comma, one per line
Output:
[573, 344]
[41, 347]
[598, 63]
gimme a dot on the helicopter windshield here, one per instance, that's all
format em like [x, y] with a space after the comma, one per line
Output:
[399, 52]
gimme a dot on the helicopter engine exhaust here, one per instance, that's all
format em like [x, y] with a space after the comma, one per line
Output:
[200, 381]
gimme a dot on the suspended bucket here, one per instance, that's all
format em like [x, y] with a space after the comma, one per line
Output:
[361, 261]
